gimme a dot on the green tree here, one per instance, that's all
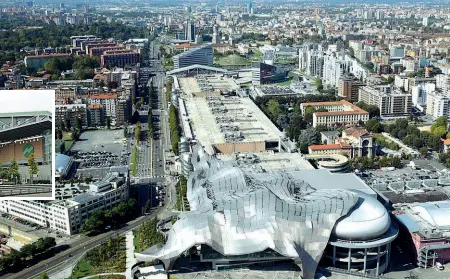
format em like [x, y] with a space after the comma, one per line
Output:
[439, 131]
[13, 170]
[319, 84]
[137, 132]
[95, 223]
[423, 150]
[33, 166]
[309, 137]
[274, 108]
[44, 276]
[372, 125]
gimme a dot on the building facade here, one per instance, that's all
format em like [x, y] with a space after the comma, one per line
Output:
[390, 102]
[202, 55]
[437, 105]
[263, 73]
[67, 216]
[341, 113]
[118, 58]
[96, 115]
[71, 112]
[348, 88]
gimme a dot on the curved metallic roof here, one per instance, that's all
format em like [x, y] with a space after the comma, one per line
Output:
[62, 162]
[368, 220]
[237, 211]
[435, 213]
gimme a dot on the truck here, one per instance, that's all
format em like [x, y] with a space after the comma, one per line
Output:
[412, 165]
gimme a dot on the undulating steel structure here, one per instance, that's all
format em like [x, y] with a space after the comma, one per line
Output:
[236, 211]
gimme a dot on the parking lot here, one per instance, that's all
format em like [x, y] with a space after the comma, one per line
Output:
[34, 229]
[99, 150]
[96, 159]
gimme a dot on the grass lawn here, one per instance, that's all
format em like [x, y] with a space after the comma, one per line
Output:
[67, 135]
[285, 83]
[232, 60]
[68, 144]
[82, 269]
[134, 161]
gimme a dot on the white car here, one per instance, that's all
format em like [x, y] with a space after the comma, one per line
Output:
[439, 266]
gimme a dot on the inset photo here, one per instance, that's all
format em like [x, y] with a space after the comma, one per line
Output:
[27, 144]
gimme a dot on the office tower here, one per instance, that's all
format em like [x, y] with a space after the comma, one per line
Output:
[188, 9]
[202, 55]
[249, 7]
[190, 31]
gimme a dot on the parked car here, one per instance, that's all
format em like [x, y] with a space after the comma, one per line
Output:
[439, 266]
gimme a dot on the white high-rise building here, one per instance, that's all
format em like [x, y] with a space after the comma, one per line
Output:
[425, 21]
[420, 93]
[437, 105]
[443, 83]
[329, 65]
[379, 14]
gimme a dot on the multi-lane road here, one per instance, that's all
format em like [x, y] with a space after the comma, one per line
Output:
[151, 169]
[78, 247]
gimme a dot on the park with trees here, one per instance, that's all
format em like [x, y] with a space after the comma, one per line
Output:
[146, 235]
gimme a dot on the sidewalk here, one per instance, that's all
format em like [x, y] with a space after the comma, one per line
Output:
[131, 260]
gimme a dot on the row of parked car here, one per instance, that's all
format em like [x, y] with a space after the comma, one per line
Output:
[21, 221]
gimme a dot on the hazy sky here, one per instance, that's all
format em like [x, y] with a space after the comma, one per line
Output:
[26, 100]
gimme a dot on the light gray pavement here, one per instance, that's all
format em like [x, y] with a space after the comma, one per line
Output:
[131, 260]
[66, 268]
[407, 149]
[103, 274]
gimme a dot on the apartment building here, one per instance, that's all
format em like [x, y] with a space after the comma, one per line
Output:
[107, 100]
[71, 112]
[420, 92]
[119, 74]
[66, 92]
[124, 110]
[341, 113]
[443, 83]
[391, 102]
[88, 45]
[202, 55]
[119, 58]
[97, 51]
[96, 115]
[437, 105]
[348, 88]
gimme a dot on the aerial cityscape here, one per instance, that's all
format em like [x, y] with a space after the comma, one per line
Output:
[227, 139]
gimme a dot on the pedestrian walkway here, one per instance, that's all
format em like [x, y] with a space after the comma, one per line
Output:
[131, 260]
[102, 274]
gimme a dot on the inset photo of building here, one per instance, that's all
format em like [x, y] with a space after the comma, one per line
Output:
[26, 144]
